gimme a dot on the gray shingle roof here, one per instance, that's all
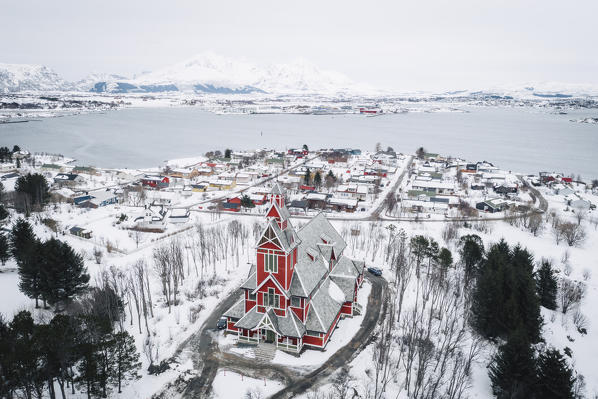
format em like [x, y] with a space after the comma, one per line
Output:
[310, 272]
[237, 310]
[345, 267]
[297, 288]
[251, 281]
[282, 237]
[291, 326]
[346, 284]
[250, 320]
[323, 309]
[311, 234]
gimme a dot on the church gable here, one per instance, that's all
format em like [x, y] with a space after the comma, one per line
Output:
[269, 237]
[273, 212]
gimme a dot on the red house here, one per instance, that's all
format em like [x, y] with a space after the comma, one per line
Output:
[300, 286]
[155, 181]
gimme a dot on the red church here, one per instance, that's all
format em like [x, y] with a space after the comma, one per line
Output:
[300, 285]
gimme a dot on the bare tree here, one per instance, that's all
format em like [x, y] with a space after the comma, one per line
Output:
[97, 254]
[580, 214]
[574, 234]
[570, 294]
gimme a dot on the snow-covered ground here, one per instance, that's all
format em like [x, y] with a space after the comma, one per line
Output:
[232, 385]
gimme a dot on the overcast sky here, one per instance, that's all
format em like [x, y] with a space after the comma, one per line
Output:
[403, 45]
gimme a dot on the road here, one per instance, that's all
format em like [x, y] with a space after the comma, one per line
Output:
[208, 358]
[373, 216]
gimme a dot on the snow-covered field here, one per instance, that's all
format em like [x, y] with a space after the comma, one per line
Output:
[232, 385]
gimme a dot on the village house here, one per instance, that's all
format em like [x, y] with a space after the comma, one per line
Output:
[157, 182]
[492, 205]
[68, 179]
[96, 199]
[85, 170]
[223, 185]
[300, 286]
[353, 191]
[179, 215]
[80, 232]
[152, 219]
[51, 167]
[438, 187]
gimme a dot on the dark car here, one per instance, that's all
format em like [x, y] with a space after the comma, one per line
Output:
[221, 324]
[375, 271]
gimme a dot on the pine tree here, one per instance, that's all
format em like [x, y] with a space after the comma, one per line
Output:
[445, 258]
[546, 285]
[512, 370]
[504, 298]
[524, 285]
[246, 202]
[22, 239]
[126, 358]
[7, 366]
[4, 249]
[28, 360]
[25, 247]
[62, 336]
[555, 377]
[307, 177]
[3, 213]
[64, 271]
[318, 179]
[472, 253]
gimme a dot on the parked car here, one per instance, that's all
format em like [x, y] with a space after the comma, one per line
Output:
[221, 324]
[375, 271]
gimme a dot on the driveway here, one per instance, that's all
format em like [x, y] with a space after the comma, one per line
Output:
[209, 359]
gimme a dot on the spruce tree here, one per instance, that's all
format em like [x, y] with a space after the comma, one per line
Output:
[28, 374]
[555, 377]
[3, 213]
[63, 332]
[512, 370]
[4, 249]
[64, 271]
[546, 285]
[524, 285]
[489, 299]
[25, 250]
[246, 202]
[472, 253]
[318, 179]
[445, 258]
[22, 240]
[125, 357]
[504, 297]
[307, 177]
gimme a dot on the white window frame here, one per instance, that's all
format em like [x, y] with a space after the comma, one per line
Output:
[275, 302]
[270, 262]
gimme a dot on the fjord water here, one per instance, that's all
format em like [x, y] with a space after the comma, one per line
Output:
[518, 139]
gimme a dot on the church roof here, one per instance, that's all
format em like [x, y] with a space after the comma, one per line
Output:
[237, 310]
[318, 230]
[251, 281]
[323, 309]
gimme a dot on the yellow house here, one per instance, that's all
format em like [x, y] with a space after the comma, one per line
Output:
[223, 184]
[199, 188]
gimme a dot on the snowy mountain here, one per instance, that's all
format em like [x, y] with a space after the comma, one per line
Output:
[212, 73]
[89, 82]
[23, 77]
